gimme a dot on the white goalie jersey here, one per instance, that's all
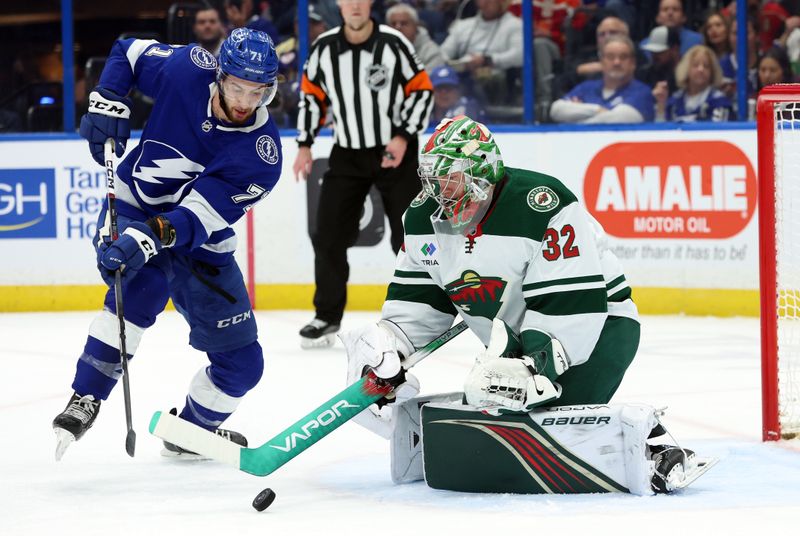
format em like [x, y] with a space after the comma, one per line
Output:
[538, 260]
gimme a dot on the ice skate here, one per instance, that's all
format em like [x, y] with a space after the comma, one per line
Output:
[676, 468]
[318, 334]
[74, 421]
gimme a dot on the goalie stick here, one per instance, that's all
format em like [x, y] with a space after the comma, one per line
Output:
[265, 459]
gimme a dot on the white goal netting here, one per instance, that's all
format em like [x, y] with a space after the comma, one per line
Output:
[787, 265]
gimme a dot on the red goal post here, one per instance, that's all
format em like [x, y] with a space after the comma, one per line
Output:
[778, 120]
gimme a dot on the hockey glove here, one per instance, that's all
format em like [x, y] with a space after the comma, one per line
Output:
[108, 117]
[379, 348]
[508, 382]
[134, 247]
[374, 347]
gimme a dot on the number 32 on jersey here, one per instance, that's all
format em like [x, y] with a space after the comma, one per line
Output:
[560, 243]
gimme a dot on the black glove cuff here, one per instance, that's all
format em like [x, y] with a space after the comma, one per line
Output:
[163, 229]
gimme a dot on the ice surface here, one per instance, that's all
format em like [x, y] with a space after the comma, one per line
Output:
[706, 370]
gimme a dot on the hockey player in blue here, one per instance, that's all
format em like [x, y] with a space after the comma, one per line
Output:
[209, 152]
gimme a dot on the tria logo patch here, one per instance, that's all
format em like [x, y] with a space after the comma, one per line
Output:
[428, 249]
[477, 295]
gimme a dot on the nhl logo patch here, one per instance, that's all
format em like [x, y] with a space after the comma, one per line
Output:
[203, 58]
[542, 199]
[377, 77]
[419, 200]
[206, 126]
[267, 149]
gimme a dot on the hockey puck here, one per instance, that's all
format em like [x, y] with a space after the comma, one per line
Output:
[264, 499]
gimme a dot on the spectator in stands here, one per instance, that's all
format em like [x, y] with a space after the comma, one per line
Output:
[208, 30]
[616, 98]
[587, 65]
[773, 68]
[608, 27]
[790, 41]
[240, 14]
[550, 18]
[448, 100]
[403, 18]
[671, 15]
[771, 18]
[665, 48]
[698, 75]
[729, 62]
[284, 107]
[716, 30]
[431, 17]
[485, 46]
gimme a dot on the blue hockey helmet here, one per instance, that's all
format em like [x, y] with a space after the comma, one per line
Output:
[250, 55]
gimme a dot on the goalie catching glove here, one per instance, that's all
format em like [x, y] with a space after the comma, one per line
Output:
[502, 377]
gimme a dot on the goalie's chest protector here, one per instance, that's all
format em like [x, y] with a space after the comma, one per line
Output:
[482, 272]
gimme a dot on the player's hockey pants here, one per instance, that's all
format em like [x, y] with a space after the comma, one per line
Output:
[214, 302]
[596, 380]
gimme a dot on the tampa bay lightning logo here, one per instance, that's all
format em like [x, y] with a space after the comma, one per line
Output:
[267, 149]
[203, 58]
[239, 34]
[162, 173]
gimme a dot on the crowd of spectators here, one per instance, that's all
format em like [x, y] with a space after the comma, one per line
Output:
[601, 61]
[620, 61]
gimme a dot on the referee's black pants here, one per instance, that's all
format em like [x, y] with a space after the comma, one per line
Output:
[345, 187]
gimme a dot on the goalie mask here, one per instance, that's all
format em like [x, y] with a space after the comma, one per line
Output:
[458, 168]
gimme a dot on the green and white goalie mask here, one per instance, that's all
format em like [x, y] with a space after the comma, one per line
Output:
[458, 168]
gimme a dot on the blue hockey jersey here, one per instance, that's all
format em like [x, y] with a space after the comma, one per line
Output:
[201, 173]
[635, 94]
[711, 105]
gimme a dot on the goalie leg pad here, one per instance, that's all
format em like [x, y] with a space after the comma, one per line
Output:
[406, 445]
[578, 449]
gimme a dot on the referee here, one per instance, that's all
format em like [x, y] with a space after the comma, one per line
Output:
[380, 97]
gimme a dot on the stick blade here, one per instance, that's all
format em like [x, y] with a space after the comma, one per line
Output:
[193, 438]
[130, 443]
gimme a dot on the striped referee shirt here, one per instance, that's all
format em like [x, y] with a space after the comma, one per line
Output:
[376, 89]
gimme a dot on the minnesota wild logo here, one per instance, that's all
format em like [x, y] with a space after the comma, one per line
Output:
[419, 200]
[476, 295]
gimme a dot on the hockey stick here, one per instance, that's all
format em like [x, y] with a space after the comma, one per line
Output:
[276, 452]
[111, 180]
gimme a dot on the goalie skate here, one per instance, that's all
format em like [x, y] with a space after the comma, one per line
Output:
[677, 468]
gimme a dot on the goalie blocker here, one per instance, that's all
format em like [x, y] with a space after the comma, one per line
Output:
[569, 449]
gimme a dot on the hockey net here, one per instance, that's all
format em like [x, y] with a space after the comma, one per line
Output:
[779, 243]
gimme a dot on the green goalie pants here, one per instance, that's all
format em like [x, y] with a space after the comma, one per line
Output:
[596, 380]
